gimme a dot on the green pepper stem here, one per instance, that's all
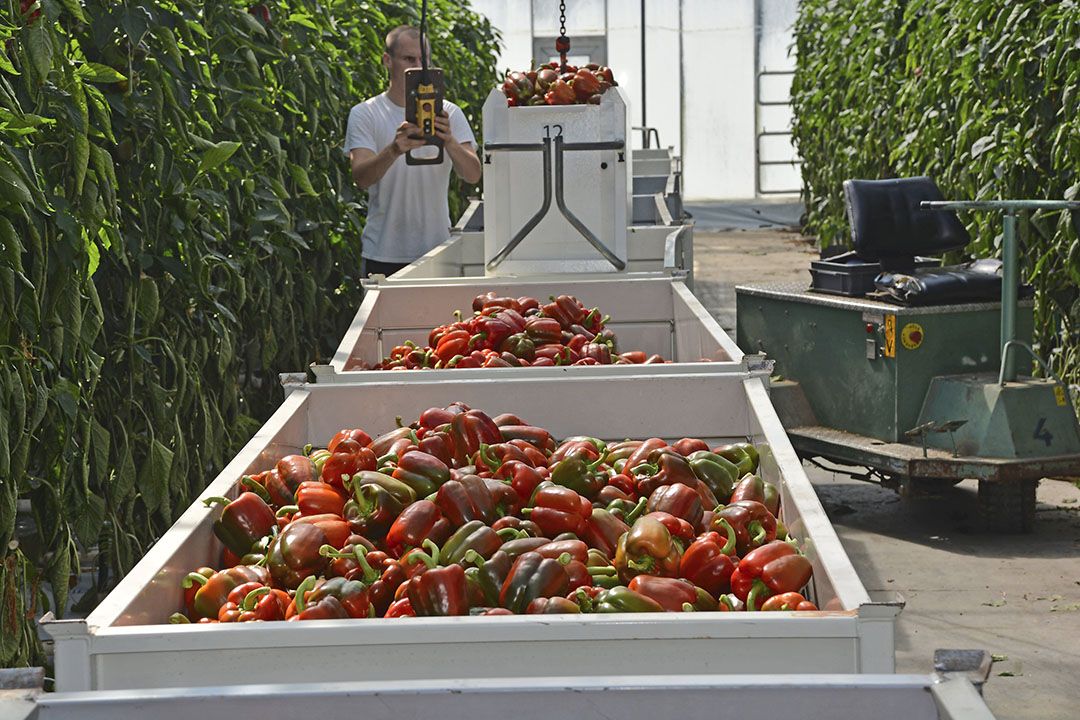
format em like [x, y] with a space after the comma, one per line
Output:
[729, 545]
[471, 556]
[287, 510]
[487, 458]
[387, 459]
[216, 500]
[584, 601]
[603, 571]
[509, 533]
[397, 418]
[193, 578]
[305, 586]
[644, 566]
[247, 482]
[645, 469]
[756, 590]
[308, 448]
[759, 534]
[606, 581]
[687, 607]
[253, 596]
[634, 514]
[565, 558]
[433, 549]
[178, 619]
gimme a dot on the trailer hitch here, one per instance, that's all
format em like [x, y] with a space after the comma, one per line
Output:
[545, 148]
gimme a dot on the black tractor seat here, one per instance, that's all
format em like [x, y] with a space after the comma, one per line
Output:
[891, 234]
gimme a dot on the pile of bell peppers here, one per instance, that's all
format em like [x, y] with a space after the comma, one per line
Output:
[555, 84]
[460, 513]
[517, 332]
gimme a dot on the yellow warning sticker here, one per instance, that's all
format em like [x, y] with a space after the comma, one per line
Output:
[912, 336]
[890, 336]
[1059, 395]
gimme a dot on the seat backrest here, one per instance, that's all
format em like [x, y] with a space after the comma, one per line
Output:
[887, 223]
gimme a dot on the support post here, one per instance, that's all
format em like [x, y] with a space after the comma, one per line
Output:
[1009, 285]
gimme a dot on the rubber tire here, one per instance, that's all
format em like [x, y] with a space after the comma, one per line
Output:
[1007, 507]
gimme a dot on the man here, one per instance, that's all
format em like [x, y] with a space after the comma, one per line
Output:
[408, 211]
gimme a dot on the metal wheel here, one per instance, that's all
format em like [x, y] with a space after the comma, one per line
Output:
[1007, 507]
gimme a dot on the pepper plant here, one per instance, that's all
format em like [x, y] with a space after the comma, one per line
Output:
[979, 95]
[177, 225]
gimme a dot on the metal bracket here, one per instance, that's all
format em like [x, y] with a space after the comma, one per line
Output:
[560, 199]
[972, 665]
[928, 427]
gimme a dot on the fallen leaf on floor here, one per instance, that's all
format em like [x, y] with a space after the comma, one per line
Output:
[998, 658]
[1006, 674]
[995, 603]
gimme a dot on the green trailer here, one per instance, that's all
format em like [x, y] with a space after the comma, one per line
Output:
[919, 395]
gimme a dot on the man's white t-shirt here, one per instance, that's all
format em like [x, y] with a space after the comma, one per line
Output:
[408, 211]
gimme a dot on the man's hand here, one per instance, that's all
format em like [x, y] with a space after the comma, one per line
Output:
[442, 130]
[466, 163]
[409, 137]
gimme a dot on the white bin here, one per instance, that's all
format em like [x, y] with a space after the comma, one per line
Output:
[690, 697]
[654, 314]
[667, 249]
[124, 643]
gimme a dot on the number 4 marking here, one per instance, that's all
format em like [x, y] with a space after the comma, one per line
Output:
[1041, 433]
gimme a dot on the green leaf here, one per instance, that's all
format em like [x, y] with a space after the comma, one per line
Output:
[300, 177]
[217, 155]
[81, 148]
[40, 50]
[154, 476]
[12, 188]
[90, 518]
[5, 62]
[96, 72]
[73, 7]
[303, 19]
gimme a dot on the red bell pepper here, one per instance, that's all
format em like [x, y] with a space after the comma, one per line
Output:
[317, 497]
[682, 531]
[422, 472]
[340, 466]
[552, 606]
[474, 536]
[214, 593]
[423, 520]
[558, 509]
[439, 592]
[243, 521]
[539, 438]
[532, 576]
[788, 601]
[295, 469]
[294, 554]
[648, 549]
[679, 500]
[352, 594]
[603, 531]
[400, 608]
[754, 525]
[751, 487]
[524, 528]
[673, 594]
[709, 561]
[688, 446]
[745, 581]
[469, 498]
[372, 510]
[361, 438]
[471, 429]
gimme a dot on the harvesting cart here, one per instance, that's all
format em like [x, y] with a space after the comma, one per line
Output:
[919, 381]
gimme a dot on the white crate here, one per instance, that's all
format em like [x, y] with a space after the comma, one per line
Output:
[123, 643]
[655, 314]
[644, 697]
[666, 249]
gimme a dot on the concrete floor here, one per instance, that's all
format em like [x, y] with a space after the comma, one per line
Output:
[1017, 596]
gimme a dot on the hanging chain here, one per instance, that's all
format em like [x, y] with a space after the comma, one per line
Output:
[562, 43]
